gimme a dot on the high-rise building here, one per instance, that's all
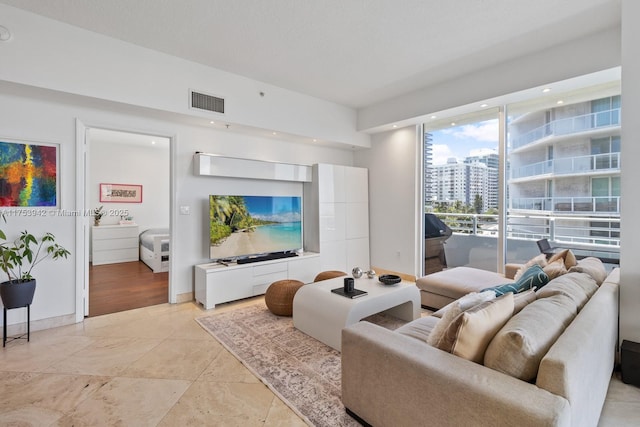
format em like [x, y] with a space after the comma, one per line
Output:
[565, 161]
[461, 182]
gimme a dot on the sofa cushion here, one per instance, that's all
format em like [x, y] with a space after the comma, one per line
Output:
[520, 345]
[419, 329]
[578, 286]
[567, 256]
[540, 260]
[555, 269]
[534, 277]
[593, 267]
[452, 311]
[468, 335]
[459, 281]
[523, 299]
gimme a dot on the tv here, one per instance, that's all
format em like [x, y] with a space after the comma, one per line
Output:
[245, 226]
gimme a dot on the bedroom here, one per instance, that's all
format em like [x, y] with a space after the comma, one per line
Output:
[128, 177]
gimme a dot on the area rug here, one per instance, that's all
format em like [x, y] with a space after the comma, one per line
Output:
[301, 370]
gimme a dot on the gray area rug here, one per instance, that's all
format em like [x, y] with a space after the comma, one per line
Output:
[301, 370]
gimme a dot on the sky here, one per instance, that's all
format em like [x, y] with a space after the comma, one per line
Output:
[464, 141]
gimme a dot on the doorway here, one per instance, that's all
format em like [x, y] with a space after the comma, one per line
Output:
[127, 179]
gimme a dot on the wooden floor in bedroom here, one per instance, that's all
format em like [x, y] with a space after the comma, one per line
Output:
[125, 286]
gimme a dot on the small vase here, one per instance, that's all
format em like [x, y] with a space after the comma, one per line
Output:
[96, 222]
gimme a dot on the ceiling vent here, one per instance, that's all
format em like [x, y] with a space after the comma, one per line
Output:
[203, 101]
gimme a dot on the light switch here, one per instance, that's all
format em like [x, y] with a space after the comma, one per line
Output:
[185, 210]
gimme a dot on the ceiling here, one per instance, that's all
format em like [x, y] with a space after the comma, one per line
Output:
[352, 52]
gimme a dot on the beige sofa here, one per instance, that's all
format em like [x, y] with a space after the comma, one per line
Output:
[394, 379]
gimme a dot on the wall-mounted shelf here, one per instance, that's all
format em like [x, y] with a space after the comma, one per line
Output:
[205, 164]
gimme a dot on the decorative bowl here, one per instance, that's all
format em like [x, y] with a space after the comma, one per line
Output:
[389, 279]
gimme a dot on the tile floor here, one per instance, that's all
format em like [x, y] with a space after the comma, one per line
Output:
[156, 366]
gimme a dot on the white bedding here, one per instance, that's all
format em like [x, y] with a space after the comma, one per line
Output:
[154, 249]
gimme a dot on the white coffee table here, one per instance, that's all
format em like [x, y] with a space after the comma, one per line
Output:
[320, 313]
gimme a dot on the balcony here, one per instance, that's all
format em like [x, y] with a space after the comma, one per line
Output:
[568, 204]
[570, 166]
[475, 237]
[570, 125]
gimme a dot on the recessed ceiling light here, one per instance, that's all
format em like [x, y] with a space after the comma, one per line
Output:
[484, 105]
[434, 117]
[212, 122]
[546, 89]
[394, 126]
[560, 102]
[153, 142]
[453, 123]
[315, 140]
[274, 133]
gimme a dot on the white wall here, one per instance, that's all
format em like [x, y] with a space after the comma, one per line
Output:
[393, 201]
[116, 163]
[41, 115]
[49, 54]
[630, 175]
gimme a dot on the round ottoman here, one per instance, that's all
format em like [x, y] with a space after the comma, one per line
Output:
[279, 296]
[325, 275]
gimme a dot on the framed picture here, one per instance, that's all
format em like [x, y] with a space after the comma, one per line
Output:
[121, 193]
[29, 174]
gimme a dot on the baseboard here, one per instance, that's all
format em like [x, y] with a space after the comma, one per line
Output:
[39, 325]
[186, 297]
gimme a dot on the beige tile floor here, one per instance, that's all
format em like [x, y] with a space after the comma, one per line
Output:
[156, 366]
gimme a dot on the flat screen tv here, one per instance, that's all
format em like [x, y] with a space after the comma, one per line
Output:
[242, 226]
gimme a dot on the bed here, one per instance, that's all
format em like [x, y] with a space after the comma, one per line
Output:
[154, 249]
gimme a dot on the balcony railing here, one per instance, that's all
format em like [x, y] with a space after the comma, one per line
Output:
[570, 125]
[569, 165]
[568, 204]
[587, 236]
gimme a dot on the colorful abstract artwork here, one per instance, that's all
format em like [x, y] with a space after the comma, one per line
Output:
[28, 174]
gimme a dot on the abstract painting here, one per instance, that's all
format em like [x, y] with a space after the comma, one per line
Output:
[28, 174]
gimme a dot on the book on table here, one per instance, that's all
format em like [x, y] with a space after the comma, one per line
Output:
[356, 293]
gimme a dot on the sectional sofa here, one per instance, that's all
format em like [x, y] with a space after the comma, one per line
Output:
[554, 369]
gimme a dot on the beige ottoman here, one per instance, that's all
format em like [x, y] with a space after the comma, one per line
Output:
[441, 288]
[279, 296]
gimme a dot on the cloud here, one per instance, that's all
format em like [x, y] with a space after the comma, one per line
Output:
[440, 153]
[482, 152]
[483, 132]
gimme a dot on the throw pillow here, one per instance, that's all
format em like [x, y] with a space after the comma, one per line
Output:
[534, 277]
[540, 260]
[567, 256]
[593, 267]
[520, 345]
[470, 333]
[555, 269]
[454, 309]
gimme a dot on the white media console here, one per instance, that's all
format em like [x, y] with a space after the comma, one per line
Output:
[218, 283]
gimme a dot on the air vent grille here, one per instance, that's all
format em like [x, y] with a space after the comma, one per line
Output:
[207, 102]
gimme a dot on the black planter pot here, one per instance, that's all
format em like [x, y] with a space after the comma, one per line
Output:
[17, 293]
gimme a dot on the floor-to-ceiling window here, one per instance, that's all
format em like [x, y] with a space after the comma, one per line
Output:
[561, 167]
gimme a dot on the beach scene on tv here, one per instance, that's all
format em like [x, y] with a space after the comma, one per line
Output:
[249, 225]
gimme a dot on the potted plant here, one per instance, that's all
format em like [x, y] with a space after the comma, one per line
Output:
[17, 261]
[98, 213]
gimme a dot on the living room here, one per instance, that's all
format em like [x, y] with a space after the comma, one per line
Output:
[43, 82]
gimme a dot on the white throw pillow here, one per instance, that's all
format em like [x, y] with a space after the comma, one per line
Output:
[463, 304]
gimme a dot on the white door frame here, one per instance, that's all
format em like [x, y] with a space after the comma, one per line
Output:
[83, 219]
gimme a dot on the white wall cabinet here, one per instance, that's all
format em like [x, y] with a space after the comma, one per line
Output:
[337, 216]
[114, 243]
[217, 283]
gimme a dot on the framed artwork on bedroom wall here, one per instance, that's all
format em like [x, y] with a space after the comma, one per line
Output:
[120, 193]
[29, 174]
